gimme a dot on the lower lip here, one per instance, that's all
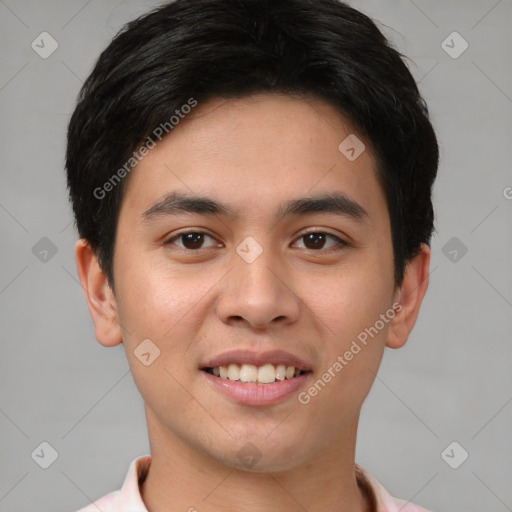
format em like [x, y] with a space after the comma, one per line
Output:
[257, 394]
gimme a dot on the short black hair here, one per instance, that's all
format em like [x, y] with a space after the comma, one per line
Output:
[192, 50]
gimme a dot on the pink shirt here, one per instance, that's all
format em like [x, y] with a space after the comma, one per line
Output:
[128, 499]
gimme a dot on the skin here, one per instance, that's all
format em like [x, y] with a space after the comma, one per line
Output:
[253, 154]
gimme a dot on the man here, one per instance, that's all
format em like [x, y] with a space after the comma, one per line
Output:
[251, 182]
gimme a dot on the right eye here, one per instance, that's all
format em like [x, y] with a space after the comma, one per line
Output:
[191, 240]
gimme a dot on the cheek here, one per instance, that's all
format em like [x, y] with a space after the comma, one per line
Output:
[351, 299]
[355, 334]
[353, 344]
[159, 308]
[167, 307]
[154, 297]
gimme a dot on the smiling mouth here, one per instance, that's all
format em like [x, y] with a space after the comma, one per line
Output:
[252, 374]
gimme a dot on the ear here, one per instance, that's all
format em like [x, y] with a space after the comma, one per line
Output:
[98, 294]
[409, 296]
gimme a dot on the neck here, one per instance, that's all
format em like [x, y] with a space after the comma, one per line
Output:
[182, 478]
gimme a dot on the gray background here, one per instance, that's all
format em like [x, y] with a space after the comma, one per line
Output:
[452, 381]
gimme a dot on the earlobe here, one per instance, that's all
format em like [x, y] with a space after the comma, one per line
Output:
[98, 294]
[409, 296]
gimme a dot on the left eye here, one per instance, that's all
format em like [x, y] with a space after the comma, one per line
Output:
[317, 240]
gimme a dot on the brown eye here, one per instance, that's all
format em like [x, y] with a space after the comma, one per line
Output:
[316, 240]
[191, 240]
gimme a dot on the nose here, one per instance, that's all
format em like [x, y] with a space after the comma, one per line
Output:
[258, 294]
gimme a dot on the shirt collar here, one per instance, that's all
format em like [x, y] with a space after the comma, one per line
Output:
[382, 500]
[130, 498]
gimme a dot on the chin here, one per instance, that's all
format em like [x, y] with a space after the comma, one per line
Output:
[263, 465]
[262, 456]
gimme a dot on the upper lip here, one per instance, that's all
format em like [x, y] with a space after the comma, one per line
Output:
[257, 359]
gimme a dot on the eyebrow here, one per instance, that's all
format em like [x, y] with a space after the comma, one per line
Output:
[175, 203]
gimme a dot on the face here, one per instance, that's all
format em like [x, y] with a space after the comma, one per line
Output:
[284, 262]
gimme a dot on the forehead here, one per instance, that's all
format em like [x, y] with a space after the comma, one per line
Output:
[258, 152]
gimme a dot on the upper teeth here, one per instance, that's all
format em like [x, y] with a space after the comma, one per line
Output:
[265, 374]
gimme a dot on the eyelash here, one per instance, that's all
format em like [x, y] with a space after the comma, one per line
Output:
[341, 244]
